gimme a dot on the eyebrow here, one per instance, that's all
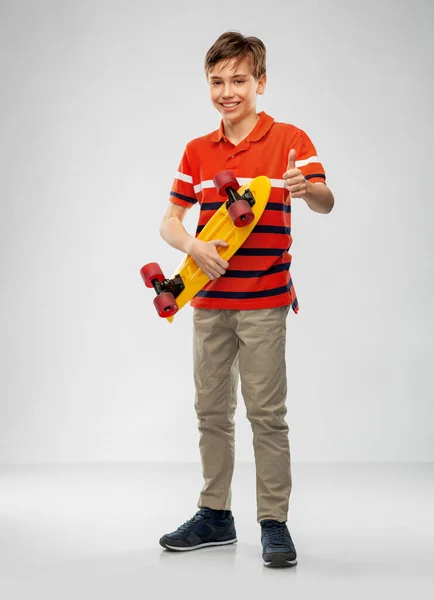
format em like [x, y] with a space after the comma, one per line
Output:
[233, 76]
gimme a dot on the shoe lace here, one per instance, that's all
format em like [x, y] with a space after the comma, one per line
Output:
[199, 516]
[275, 533]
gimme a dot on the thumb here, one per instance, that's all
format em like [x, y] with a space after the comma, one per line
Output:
[291, 160]
[220, 243]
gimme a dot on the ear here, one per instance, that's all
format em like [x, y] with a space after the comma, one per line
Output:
[262, 82]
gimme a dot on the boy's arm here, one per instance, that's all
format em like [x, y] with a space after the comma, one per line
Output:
[205, 254]
[319, 197]
[172, 230]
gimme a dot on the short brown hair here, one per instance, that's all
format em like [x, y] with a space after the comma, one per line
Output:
[234, 45]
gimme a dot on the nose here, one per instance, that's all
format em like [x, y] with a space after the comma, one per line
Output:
[227, 91]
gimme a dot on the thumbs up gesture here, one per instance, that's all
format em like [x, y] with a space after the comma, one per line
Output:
[294, 178]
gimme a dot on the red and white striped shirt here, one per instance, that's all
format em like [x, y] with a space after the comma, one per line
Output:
[258, 275]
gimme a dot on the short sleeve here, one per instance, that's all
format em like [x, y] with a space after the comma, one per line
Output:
[182, 192]
[308, 161]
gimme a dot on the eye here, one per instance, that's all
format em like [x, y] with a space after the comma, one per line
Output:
[216, 83]
[239, 81]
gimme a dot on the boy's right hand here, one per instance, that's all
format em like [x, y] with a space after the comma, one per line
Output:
[206, 256]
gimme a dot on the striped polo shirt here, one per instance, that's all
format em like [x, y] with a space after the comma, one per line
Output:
[258, 275]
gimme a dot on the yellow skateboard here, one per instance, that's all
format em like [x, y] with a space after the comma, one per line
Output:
[232, 222]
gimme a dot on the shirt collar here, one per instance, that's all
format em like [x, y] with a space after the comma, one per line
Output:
[261, 128]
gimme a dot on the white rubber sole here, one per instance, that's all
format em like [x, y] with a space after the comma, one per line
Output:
[280, 562]
[177, 548]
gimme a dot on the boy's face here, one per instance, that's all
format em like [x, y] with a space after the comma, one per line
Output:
[233, 91]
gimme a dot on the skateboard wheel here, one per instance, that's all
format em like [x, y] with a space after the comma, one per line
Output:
[225, 179]
[150, 272]
[165, 304]
[241, 213]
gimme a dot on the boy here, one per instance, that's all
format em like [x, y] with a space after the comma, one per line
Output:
[240, 316]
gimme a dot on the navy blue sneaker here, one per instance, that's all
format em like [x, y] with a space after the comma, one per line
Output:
[277, 545]
[208, 527]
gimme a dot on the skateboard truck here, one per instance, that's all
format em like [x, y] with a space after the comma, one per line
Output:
[239, 207]
[233, 196]
[174, 286]
[167, 289]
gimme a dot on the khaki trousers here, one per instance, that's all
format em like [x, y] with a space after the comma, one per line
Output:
[251, 344]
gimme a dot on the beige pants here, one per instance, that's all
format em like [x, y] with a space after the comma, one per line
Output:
[250, 343]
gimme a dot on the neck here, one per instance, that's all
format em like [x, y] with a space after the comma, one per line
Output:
[238, 131]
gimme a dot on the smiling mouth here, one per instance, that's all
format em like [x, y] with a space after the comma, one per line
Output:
[229, 104]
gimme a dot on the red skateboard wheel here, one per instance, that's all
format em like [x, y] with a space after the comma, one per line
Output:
[241, 213]
[151, 271]
[165, 304]
[225, 179]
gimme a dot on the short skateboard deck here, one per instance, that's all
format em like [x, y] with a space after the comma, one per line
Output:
[232, 222]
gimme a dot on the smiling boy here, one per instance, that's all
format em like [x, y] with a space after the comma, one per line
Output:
[239, 317]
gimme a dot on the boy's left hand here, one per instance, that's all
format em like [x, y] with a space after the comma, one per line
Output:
[294, 178]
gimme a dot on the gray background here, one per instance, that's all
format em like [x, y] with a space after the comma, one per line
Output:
[98, 101]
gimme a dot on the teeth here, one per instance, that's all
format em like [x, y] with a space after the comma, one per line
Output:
[231, 105]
